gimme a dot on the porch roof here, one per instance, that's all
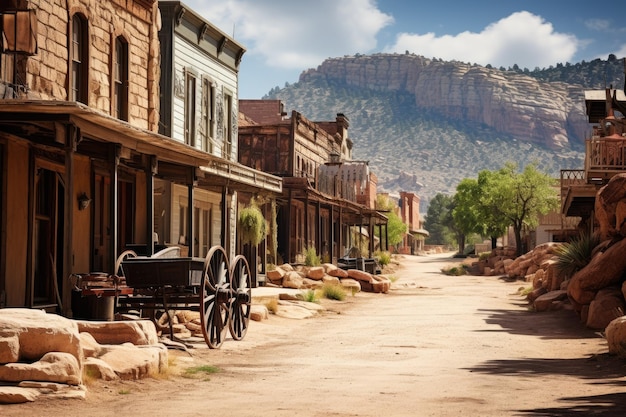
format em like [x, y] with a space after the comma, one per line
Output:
[25, 117]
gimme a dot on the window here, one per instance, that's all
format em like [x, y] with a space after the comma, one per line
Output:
[228, 129]
[208, 112]
[190, 108]
[120, 79]
[79, 60]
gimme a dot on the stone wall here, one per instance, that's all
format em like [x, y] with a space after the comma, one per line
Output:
[48, 71]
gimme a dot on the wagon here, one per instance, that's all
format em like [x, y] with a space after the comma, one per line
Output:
[219, 290]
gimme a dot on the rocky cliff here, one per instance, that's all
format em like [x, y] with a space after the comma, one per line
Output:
[541, 113]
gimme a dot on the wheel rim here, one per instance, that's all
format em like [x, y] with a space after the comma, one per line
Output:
[241, 301]
[214, 297]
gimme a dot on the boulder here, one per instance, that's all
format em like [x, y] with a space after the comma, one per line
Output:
[605, 269]
[606, 306]
[17, 395]
[315, 272]
[135, 362]
[607, 201]
[360, 276]
[328, 280]
[550, 300]
[59, 367]
[351, 284]
[339, 273]
[38, 333]
[616, 336]
[293, 279]
[137, 332]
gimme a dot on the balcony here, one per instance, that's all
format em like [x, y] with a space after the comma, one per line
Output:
[604, 158]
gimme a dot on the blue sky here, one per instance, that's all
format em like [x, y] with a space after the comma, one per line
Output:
[285, 37]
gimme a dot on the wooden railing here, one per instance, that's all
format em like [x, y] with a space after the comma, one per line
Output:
[604, 157]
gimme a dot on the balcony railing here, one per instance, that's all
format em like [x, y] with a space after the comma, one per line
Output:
[604, 157]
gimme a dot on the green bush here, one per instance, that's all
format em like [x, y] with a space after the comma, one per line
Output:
[384, 258]
[576, 254]
[334, 292]
[251, 225]
[311, 257]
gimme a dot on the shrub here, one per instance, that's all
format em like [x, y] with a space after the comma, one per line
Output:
[455, 270]
[483, 256]
[384, 258]
[252, 225]
[334, 292]
[309, 296]
[311, 258]
[576, 254]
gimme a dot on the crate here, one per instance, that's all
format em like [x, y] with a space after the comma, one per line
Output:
[160, 272]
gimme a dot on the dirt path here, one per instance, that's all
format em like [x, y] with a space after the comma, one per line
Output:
[434, 346]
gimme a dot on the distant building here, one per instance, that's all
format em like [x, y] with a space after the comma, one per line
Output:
[328, 200]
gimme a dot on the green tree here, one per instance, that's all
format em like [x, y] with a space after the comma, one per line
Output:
[466, 212]
[439, 221]
[396, 228]
[520, 198]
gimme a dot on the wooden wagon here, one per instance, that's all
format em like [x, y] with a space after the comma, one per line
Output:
[219, 290]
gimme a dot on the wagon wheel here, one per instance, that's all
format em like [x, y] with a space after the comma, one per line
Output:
[241, 297]
[214, 297]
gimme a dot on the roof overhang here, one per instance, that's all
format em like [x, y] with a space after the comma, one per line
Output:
[22, 117]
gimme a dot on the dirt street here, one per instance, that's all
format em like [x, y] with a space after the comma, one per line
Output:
[435, 345]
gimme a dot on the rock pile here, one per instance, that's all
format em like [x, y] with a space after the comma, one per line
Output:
[312, 277]
[46, 354]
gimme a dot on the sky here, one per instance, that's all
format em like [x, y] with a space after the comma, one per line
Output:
[283, 38]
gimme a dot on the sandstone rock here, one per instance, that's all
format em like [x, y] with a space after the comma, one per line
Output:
[328, 280]
[17, 395]
[9, 348]
[339, 273]
[351, 284]
[259, 312]
[287, 267]
[605, 269]
[97, 368]
[60, 367]
[360, 276]
[607, 306]
[316, 272]
[135, 362]
[329, 267]
[276, 274]
[91, 348]
[616, 336]
[536, 293]
[607, 201]
[39, 333]
[311, 283]
[137, 332]
[293, 279]
[545, 302]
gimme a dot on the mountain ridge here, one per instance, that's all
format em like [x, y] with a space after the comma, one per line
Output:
[442, 121]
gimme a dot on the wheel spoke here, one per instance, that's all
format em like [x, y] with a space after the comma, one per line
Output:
[241, 298]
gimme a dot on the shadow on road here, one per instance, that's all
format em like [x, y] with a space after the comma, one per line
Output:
[563, 324]
[600, 369]
[606, 405]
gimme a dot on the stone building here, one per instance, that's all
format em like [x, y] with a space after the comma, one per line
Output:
[81, 155]
[328, 200]
[409, 206]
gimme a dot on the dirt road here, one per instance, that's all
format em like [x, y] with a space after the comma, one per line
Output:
[435, 345]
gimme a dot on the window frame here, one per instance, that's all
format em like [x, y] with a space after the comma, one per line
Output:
[78, 59]
[119, 75]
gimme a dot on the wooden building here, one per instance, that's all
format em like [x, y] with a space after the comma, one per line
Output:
[328, 200]
[409, 206]
[605, 156]
[82, 162]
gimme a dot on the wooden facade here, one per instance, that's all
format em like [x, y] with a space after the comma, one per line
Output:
[316, 208]
[84, 171]
[605, 156]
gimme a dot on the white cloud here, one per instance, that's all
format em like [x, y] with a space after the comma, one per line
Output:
[522, 38]
[298, 34]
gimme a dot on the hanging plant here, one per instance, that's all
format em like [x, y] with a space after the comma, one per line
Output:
[252, 225]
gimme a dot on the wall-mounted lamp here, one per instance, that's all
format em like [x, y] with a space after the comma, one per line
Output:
[83, 201]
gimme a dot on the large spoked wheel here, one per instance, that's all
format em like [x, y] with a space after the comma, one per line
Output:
[241, 297]
[214, 297]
